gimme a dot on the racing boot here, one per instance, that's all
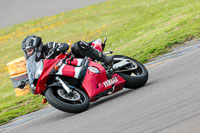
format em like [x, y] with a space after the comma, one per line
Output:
[84, 49]
[97, 55]
[108, 60]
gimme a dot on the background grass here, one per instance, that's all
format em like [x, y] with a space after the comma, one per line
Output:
[142, 29]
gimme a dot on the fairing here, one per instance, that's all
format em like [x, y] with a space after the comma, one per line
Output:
[97, 44]
[48, 67]
[93, 83]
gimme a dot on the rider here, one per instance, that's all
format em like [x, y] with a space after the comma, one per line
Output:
[33, 47]
[32, 44]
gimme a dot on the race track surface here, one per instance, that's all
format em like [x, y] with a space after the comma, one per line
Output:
[18, 11]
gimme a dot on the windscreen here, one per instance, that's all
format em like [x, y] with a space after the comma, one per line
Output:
[31, 66]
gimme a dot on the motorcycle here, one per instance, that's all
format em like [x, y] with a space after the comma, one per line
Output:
[70, 84]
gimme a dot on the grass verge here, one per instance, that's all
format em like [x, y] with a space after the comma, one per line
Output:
[142, 29]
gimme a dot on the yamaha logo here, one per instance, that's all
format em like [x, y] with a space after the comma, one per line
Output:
[110, 81]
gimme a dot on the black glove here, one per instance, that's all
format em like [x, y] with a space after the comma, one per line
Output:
[63, 48]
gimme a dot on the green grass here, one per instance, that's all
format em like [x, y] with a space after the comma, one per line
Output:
[142, 29]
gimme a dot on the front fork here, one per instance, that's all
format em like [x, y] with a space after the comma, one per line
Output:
[67, 89]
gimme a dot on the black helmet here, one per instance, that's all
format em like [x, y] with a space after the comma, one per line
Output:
[34, 42]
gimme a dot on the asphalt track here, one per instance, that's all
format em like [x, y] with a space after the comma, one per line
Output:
[18, 11]
[168, 103]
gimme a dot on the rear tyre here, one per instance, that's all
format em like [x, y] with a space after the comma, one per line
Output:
[76, 103]
[134, 78]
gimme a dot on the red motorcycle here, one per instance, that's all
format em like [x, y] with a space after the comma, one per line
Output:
[70, 84]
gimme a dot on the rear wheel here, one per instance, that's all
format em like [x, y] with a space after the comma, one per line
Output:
[135, 74]
[76, 102]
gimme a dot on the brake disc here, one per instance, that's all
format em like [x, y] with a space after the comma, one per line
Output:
[74, 97]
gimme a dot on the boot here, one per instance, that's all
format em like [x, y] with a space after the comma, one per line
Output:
[87, 50]
[97, 55]
[108, 60]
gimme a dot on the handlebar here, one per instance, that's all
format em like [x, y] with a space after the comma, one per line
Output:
[110, 52]
[52, 52]
[49, 56]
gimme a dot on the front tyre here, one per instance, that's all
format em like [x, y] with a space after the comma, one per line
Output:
[134, 78]
[76, 103]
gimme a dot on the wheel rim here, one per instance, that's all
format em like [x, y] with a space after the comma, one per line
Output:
[134, 69]
[74, 97]
[132, 66]
[136, 72]
[77, 96]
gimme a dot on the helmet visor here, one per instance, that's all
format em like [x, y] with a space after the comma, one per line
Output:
[28, 52]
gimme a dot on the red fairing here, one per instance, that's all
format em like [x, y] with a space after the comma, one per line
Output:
[97, 45]
[48, 66]
[68, 71]
[92, 82]
[120, 82]
[74, 62]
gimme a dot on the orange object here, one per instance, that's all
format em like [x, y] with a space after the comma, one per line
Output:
[56, 67]
[17, 71]
[22, 92]
[17, 66]
[70, 44]
[44, 101]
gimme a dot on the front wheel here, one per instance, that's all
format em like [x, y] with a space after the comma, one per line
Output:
[135, 74]
[76, 102]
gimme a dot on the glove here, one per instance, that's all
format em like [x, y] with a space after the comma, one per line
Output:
[62, 48]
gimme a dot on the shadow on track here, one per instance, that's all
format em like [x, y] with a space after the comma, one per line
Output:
[108, 98]
[118, 94]
[63, 115]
